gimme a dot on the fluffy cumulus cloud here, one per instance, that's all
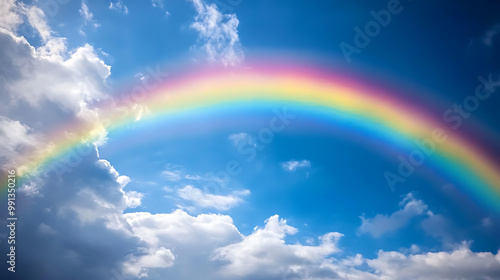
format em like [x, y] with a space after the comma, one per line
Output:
[213, 245]
[72, 221]
[265, 254]
[382, 224]
[189, 239]
[218, 34]
[74, 228]
[79, 78]
[460, 263]
[9, 16]
[43, 86]
[157, 258]
[81, 232]
[14, 139]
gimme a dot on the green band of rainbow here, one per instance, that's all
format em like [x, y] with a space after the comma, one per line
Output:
[303, 87]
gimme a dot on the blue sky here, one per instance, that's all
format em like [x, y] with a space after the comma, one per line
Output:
[152, 200]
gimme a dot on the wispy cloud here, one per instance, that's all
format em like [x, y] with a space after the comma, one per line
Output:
[293, 165]
[486, 222]
[172, 175]
[491, 34]
[36, 18]
[241, 138]
[158, 3]
[207, 200]
[218, 34]
[88, 17]
[175, 172]
[439, 227]
[119, 7]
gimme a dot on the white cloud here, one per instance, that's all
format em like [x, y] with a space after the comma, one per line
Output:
[382, 224]
[461, 263]
[158, 3]
[414, 249]
[75, 228]
[119, 7]
[213, 245]
[43, 87]
[30, 189]
[79, 78]
[206, 200]
[15, 139]
[68, 80]
[156, 258]
[133, 199]
[8, 16]
[168, 189]
[84, 11]
[193, 177]
[264, 254]
[88, 16]
[241, 138]
[293, 165]
[172, 244]
[82, 213]
[36, 17]
[172, 175]
[218, 34]
[102, 207]
[175, 173]
[438, 226]
[178, 227]
[190, 239]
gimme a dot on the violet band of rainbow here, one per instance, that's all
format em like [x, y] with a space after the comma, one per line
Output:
[306, 88]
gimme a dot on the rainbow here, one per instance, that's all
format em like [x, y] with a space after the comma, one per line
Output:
[373, 110]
